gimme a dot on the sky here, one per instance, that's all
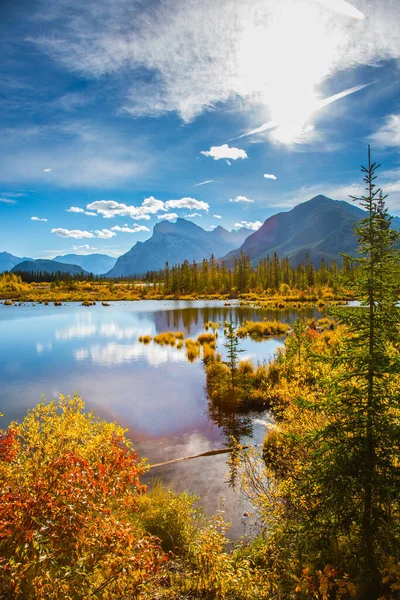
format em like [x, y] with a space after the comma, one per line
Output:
[118, 115]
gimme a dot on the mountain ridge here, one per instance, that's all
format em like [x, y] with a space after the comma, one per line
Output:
[95, 263]
[320, 227]
[176, 242]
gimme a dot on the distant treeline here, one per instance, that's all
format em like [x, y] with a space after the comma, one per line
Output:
[212, 276]
[44, 276]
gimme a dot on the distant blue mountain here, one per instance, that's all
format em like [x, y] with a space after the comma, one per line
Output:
[47, 266]
[8, 261]
[98, 264]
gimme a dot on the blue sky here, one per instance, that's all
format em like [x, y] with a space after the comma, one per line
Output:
[116, 115]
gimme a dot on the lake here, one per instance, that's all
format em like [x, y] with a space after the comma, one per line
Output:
[151, 390]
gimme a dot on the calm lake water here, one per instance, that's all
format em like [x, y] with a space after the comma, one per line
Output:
[151, 390]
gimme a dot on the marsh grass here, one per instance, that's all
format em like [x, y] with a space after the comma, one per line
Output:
[262, 329]
[168, 338]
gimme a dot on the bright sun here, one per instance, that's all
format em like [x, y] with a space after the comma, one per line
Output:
[283, 60]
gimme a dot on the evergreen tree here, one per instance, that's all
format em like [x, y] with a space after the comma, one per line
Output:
[355, 457]
[232, 351]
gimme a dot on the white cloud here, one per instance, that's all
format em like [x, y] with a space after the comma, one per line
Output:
[47, 170]
[149, 206]
[7, 201]
[224, 151]
[105, 234]
[204, 182]
[126, 229]
[342, 8]
[217, 216]
[187, 203]
[168, 217]
[193, 215]
[76, 209]
[110, 208]
[38, 219]
[83, 249]
[387, 136]
[269, 176]
[254, 225]
[77, 234]
[241, 199]
[208, 52]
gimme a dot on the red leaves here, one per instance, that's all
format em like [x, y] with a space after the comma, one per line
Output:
[9, 446]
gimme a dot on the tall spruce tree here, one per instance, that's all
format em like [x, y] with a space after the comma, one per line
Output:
[355, 457]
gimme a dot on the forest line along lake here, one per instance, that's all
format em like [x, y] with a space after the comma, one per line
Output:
[151, 390]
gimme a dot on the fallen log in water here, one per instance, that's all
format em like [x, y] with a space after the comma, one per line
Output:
[208, 453]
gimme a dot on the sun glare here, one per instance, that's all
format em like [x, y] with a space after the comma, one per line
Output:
[283, 60]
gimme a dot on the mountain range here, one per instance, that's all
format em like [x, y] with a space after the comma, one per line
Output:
[176, 242]
[319, 228]
[98, 264]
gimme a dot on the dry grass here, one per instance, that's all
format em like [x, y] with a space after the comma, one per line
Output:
[206, 338]
[260, 329]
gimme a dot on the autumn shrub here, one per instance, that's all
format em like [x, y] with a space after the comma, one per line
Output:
[192, 349]
[69, 488]
[206, 338]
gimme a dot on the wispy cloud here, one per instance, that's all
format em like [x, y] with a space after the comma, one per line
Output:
[105, 234]
[39, 219]
[126, 229]
[7, 201]
[241, 199]
[193, 216]
[80, 234]
[13, 194]
[190, 203]
[254, 225]
[342, 8]
[224, 152]
[388, 135]
[204, 182]
[269, 176]
[81, 154]
[71, 101]
[205, 53]
[217, 216]
[290, 127]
